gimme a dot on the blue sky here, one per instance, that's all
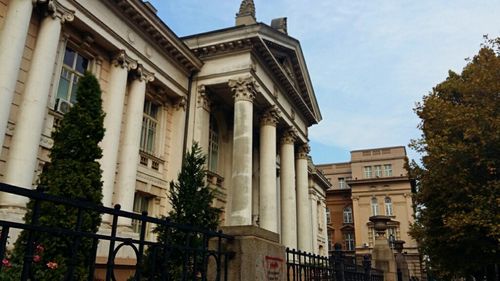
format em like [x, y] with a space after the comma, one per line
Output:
[370, 60]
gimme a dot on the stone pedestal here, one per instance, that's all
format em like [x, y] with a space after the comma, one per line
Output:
[401, 263]
[258, 255]
[382, 255]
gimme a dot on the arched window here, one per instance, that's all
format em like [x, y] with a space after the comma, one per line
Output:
[213, 145]
[347, 215]
[388, 206]
[374, 204]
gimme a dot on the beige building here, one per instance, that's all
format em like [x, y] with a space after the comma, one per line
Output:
[244, 93]
[378, 183]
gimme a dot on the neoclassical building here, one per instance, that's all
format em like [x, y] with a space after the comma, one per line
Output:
[243, 93]
[374, 182]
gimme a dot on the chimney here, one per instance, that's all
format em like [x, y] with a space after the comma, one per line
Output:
[280, 25]
[246, 15]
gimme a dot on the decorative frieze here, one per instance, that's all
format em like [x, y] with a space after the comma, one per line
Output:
[244, 89]
[270, 117]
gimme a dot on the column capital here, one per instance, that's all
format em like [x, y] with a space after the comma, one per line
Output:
[289, 137]
[142, 74]
[203, 100]
[303, 151]
[180, 104]
[244, 89]
[270, 116]
[122, 60]
[55, 10]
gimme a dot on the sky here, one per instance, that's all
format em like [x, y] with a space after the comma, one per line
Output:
[370, 61]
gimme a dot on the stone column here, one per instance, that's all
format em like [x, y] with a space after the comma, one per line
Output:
[13, 35]
[244, 90]
[288, 200]
[129, 154]
[113, 123]
[313, 199]
[202, 118]
[268, 192]
[303, 206]
[23, 152]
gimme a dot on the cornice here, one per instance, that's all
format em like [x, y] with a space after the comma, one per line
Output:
[151, 25]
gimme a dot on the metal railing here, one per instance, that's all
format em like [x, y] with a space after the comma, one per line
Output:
[303, 266]
[210, 260]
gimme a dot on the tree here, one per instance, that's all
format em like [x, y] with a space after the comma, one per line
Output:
[458, 218]
[73, 173]
[191, 201]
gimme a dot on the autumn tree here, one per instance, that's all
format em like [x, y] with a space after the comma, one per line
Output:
[458, 218]
[73, 173]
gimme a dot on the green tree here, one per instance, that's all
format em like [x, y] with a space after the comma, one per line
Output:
[191, 201]
[458, 218]
[73, 173]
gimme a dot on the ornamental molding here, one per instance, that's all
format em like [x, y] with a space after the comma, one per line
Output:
[223, 47]
[180, 104]
[124, 61]
[143, 75]
[203, 100]
[289, 136]
[244, 89]
[303, 151]
[55, 10]
[270, 117]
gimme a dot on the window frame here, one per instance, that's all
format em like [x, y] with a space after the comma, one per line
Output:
[374, 206]
[388, 170]
[149, 141]
[349, 241]
[377, 171]
[71, 70]
[145, 198]
[388, 206]
[347, 215]
[367, 172]
[213, 145]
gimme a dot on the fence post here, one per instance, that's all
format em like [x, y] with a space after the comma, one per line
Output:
[339, 262]
[367, 265]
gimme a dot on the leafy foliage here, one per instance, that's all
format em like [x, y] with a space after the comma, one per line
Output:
[458, 220]
[191, 201]
[73, 173]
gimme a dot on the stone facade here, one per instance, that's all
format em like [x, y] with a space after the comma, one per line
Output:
[374, 182]
[243, 93]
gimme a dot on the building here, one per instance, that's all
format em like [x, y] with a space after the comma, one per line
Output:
[374, 182]
[243, 93]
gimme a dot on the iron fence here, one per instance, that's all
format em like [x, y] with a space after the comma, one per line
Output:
[303, 266]
[198, 260]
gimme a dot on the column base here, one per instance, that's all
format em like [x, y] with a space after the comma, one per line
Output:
[258, 254]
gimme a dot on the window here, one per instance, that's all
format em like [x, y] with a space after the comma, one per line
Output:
[141, 204]
[368, 172]
[330, 240]
[149, 127]
[213, 145]
[347, 215]
[374, 204]
[392, 235]
[349, 241]
[388, 206]
[342, 183]
[378, 171]
[388, 170]
[74, 65]
[328, 219]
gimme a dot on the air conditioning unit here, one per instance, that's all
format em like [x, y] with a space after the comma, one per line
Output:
[62, 106]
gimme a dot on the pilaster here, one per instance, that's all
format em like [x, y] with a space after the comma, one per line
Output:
[203, 106]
